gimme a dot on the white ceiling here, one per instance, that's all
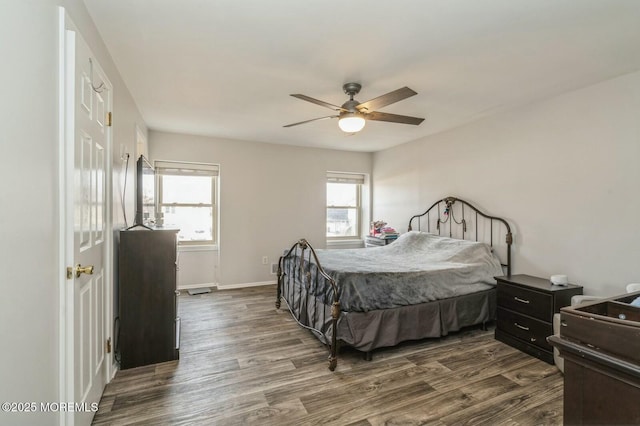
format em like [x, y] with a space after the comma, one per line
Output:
[226, 68]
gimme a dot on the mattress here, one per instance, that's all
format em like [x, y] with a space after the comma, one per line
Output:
[417, 268]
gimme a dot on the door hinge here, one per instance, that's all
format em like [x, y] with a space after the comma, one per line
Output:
[108, 345]
[109, 119]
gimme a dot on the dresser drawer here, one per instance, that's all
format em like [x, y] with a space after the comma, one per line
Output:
[529, 302]
[529, 329]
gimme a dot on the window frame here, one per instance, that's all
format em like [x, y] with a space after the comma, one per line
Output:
[191, 169]
[344, 178]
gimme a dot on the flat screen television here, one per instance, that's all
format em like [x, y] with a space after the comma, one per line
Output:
[145, 192]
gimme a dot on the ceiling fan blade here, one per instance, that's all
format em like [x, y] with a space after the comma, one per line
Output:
[393, 118]
[318, 102]
[384, 100]
[309, 121]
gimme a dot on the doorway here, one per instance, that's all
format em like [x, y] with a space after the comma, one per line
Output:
[85, 169]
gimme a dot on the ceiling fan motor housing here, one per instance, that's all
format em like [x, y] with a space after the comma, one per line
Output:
[350, 106]
[351, 89]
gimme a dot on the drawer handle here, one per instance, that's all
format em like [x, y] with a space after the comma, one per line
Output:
[533, 339]
[522, 327]
[521, 300]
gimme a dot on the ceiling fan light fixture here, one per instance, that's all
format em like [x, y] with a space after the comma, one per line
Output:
[351, 122]
[352, 115]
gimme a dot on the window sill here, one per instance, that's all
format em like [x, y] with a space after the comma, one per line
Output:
[197, 247]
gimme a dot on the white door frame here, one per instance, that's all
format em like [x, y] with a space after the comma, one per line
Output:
[66, 226]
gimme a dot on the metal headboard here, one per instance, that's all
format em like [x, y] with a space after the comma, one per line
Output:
[445, 207]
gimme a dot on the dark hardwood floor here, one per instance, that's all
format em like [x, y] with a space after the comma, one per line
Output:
[244, 362]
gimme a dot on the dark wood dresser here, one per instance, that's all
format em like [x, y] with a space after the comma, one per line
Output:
[149, 324]
[526, 306]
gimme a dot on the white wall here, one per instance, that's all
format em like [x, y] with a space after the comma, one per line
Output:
[28, 329]
[29, 272]
[270, 196]
[563, 171]
[198, 267]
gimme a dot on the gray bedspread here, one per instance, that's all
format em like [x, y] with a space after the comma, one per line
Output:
[418, 267]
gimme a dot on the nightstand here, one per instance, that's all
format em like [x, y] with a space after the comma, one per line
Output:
[370, 241]
[525, 311]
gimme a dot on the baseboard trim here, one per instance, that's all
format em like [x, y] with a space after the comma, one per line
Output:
[225, 286]
[192, 286]
[243, 285]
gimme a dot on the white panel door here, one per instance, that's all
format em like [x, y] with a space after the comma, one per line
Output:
[91, 102]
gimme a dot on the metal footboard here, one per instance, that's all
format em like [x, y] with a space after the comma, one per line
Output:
[308, 291]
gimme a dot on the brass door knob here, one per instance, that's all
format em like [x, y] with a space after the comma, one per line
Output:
[79, 269]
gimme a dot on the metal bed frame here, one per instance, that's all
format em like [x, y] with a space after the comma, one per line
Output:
[291, 270]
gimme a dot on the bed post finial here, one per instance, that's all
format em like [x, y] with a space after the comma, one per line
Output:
[509, 241]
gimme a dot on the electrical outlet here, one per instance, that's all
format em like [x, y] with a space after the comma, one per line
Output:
[265, 260]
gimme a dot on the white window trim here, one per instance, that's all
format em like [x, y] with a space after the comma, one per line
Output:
[353, 178]
[197, 247]
[182, 168]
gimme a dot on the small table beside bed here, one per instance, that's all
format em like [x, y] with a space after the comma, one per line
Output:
[423, 285]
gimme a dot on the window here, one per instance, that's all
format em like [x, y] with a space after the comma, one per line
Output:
[187, 195]
[344, 198]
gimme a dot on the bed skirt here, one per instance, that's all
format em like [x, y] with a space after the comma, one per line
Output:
[366, 331]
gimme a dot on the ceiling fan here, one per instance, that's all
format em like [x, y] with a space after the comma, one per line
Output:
[352, 115]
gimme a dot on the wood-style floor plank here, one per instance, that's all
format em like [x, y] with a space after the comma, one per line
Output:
[244, 362]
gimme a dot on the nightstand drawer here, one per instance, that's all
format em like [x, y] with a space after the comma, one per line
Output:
[528, 302]
[525, 312]
[525, 328]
